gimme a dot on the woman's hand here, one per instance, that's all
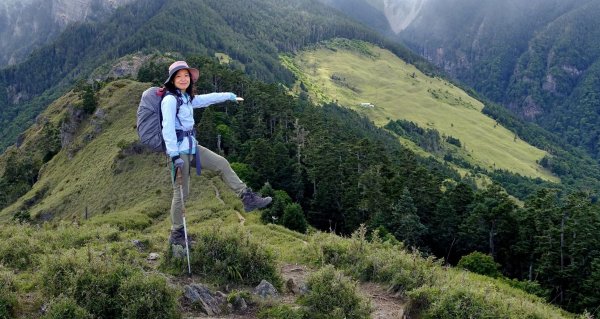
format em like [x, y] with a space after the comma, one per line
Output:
[177, 162]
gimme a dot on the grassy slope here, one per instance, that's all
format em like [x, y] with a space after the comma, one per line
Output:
[374, 75]
[133, 204]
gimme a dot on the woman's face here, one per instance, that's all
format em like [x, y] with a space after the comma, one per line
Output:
[182, 79]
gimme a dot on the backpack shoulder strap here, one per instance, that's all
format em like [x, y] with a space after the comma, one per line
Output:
[179, 103]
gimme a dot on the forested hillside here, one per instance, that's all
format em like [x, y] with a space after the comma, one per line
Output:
[252, 33]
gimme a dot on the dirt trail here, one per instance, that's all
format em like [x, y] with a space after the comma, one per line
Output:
[385, 304]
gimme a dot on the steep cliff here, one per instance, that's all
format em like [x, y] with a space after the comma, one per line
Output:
[27, 24]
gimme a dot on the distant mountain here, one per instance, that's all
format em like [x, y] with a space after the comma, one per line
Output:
[538, 58]
[29, 24]
[253, 33]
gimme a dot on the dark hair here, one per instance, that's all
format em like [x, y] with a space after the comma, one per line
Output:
[191, 91]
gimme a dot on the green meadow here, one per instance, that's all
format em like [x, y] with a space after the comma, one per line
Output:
[378, 84]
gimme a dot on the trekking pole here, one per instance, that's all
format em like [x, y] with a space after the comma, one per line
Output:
[187, 247]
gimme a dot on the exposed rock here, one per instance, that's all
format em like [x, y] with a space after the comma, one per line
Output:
[239, 304]
[571, 70]
[178, 251]
[27, 24]
[211, 304]
[45, 216]
[530, 108]
[97, 121]
[69, 127]
[128, 66]
[300, 288]
[153, 256]
[400, 14]
[69, 11]
[138, 244]
[265, 289]
[20, 140]
[550, 84]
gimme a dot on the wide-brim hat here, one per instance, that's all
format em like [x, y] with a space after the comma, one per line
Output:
[180, 65]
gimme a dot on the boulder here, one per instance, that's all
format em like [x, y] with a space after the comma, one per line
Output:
[265, 289]
[212, 304]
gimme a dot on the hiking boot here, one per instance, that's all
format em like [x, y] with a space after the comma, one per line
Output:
[252, 200]
[177, 237]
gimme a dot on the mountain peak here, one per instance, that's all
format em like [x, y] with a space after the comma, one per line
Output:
[400, 14]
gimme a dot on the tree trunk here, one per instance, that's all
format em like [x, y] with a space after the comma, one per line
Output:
[491, 237]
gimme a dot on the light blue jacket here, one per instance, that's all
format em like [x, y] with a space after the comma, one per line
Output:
[186, 119]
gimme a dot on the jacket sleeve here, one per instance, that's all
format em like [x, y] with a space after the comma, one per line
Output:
[204, 100]
[168, 108]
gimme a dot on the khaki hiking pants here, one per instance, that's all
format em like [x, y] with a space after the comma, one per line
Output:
[210, 161]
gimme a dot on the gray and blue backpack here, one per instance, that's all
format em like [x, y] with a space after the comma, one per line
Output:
[149, 118]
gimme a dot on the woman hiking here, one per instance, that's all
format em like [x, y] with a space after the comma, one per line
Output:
[177, 108]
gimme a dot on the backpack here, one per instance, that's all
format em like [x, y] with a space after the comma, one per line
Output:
[149, 118]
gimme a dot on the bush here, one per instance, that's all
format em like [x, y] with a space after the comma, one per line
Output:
[294, 219]
[274, 213]
[107, 289]
[246, 173]
[18, 251]
[58, 275]
[378, 260]
[430, 302]
[148, 297]
[97, 286]
[232, 256]
[480, 263]
[65, 307]
[124, 220]
[332, 295]
[530, 287]
[280, 312]
[8, 300]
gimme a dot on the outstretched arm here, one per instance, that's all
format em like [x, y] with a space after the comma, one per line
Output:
[204, 100]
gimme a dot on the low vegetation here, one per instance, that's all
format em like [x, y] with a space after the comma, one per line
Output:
[433, 291]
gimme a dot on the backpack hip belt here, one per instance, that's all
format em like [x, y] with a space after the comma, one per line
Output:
[181, 134]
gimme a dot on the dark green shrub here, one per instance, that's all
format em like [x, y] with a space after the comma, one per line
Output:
[531, 287]
[107, 289]
[22, 216]
[280, 312]
[232, 256]
[340, 254]
[480, 263]
[294, 219]
[332, 295]
[65, 307]
[19, 251]
[458, 303]
[247, 174]
[148, 297]
[274, 213]
[97, 286]
[8, 299]
[58, 275]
